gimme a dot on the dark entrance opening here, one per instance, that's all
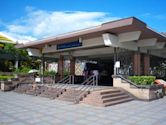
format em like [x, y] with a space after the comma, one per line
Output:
[106, 70]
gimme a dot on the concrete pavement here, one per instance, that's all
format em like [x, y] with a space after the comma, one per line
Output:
[21, 109]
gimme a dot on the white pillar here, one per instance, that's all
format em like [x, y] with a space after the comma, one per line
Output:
[115, 59]
[16, 64]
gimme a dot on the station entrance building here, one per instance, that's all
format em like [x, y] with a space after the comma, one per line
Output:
[126, 47]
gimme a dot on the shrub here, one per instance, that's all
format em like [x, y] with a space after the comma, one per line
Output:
[3, 78]
[142, 80]
[66, 73]
[52, 73]
[49, 73]
[22, 70]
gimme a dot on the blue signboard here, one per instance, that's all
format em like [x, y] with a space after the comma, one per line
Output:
[69, 45]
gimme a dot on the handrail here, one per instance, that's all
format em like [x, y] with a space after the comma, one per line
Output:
[62, 80]
[67, 80]
[132, 83]
[87, 85]
[125, 79]
[88, 81]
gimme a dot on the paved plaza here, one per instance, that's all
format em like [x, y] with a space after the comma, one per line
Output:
[21, 109]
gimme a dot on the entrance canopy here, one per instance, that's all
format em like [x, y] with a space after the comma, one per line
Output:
[129, 33]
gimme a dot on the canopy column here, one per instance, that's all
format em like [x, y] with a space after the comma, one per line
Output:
[16, 64]
[146, 60]
[42, 67]
[72, 66]
[137, 63]
[61, 66]
[115, 59]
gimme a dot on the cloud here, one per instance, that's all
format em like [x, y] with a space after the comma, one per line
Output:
[38, 24]
[20, 38]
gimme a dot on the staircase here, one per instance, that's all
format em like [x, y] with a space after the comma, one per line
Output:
[59, 89]
[107, 97]
[72, 94]
[77, 94]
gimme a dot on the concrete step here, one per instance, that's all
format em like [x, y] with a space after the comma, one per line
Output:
[107, 97]
[71, 95]
[21, 90]
[56, 94]
[31, 93]
[111, 99]
[109, 91]
[66, 96]
[67, 99]
[44, 95]
[111, 95]
[117, 102]
[53, 96]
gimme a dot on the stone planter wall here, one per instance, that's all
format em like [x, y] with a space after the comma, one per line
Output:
[6, 85]
[140, 93]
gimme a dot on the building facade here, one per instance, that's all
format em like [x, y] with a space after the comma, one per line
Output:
[126, 46]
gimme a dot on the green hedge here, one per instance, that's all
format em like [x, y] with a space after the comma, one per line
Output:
[5, 77]
[50, 73]
[142, 80]
[22, 70]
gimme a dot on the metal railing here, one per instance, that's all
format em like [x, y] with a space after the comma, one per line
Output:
[68, 79]
[87, 85]
[65, 81]
[126, 80]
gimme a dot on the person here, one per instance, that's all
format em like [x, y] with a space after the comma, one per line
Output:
[95, 72]
[85, 72]
[96, 75]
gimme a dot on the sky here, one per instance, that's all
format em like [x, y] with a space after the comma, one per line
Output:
[28, 20]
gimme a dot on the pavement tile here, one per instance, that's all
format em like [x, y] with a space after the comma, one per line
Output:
[42, 123]
[17, 123]
[22, 109]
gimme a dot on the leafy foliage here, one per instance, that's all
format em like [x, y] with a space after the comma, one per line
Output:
[4, 77]
[10, 48]
[142, 80]
[22, 70]
[12, 54]
[66, 72]
[50, 73]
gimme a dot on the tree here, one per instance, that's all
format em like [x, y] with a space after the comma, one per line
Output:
[10, 54]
